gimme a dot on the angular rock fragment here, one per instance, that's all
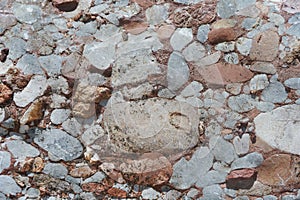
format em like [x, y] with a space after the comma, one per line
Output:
[241, 179]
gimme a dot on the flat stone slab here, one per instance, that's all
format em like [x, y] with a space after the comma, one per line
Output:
[280, 128]
[152, 125]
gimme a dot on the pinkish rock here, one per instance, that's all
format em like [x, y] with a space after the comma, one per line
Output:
[241, 179]
[221, 74]
[265, 46]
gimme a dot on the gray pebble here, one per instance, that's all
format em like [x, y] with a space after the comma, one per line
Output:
[222, 149]
[274, 93]
[202, 34]
[55, 170]
[241, 103]
[21, 149]
[8, 185]
[251, 160]
[180, 38]
[59, 144]
[4, 160]
[58, 116]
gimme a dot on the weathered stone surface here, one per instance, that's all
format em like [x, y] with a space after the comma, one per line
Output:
[265, 46]
[58, 116]
[21, 149]
[221, 149]
[4, 160]
[250, 160]
[29, 64]
[35, 112]
[27, 13]
[180, 38]
[241, 179]
[293, 83]
[150, 193]
[35, 88]
[8, 185]
[212, 177]
[275, 93]
[263, 67]
[59, 144]
[56, 170]
[81, 172]
[150, 168]
[276, 170]
[157, 14]
[172, 123]
[186, 173]
[5, 93]
[241, 103]
[279, 128]
[220, 74]
[65, 5]
[241, 145]
[194, 52]
[259, 82]
[178, 71]
[100, 54]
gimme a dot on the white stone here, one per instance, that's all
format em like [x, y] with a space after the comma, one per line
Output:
[35, 88]
[180, 38]
[241, 145]
[280, 128]
[259, 82]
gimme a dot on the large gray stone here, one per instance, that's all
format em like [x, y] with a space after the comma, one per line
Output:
[35, 88]
[157, 14]
[180, 38]
[194, 52]
[21, 150]
[145, 122]
[222, 149]
[52, 64]
[59, 144]
[27, 13]
[293, 83]
[226, 8]
[29, 64]
[274, 93]
[186, 173]
[100, 54]
[58, 116]
[8, 185]
[279, 128]
[4, 160]
[55, 170]
[16, 46]
[241, 103]
[251, 160]
[178, 71]
[211, 178]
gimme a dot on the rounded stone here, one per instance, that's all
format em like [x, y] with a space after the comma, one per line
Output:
[152, 125]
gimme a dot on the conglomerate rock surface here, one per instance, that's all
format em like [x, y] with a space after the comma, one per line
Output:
[144, 99]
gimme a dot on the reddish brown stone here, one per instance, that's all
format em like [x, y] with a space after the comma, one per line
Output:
[38, 164]
[221, 35]
[93, 187]
[144, 3]
[5, 93]
[276, 170]
[135, 28]
[65, 5]
[241, 179]
[221, 74]
[265, 46]
[116, 192]
[150, 169]
[81, 172]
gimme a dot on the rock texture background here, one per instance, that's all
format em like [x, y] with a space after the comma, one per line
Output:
[142, 99]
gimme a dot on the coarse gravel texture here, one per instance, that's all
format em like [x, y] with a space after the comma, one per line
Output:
[144, 99]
